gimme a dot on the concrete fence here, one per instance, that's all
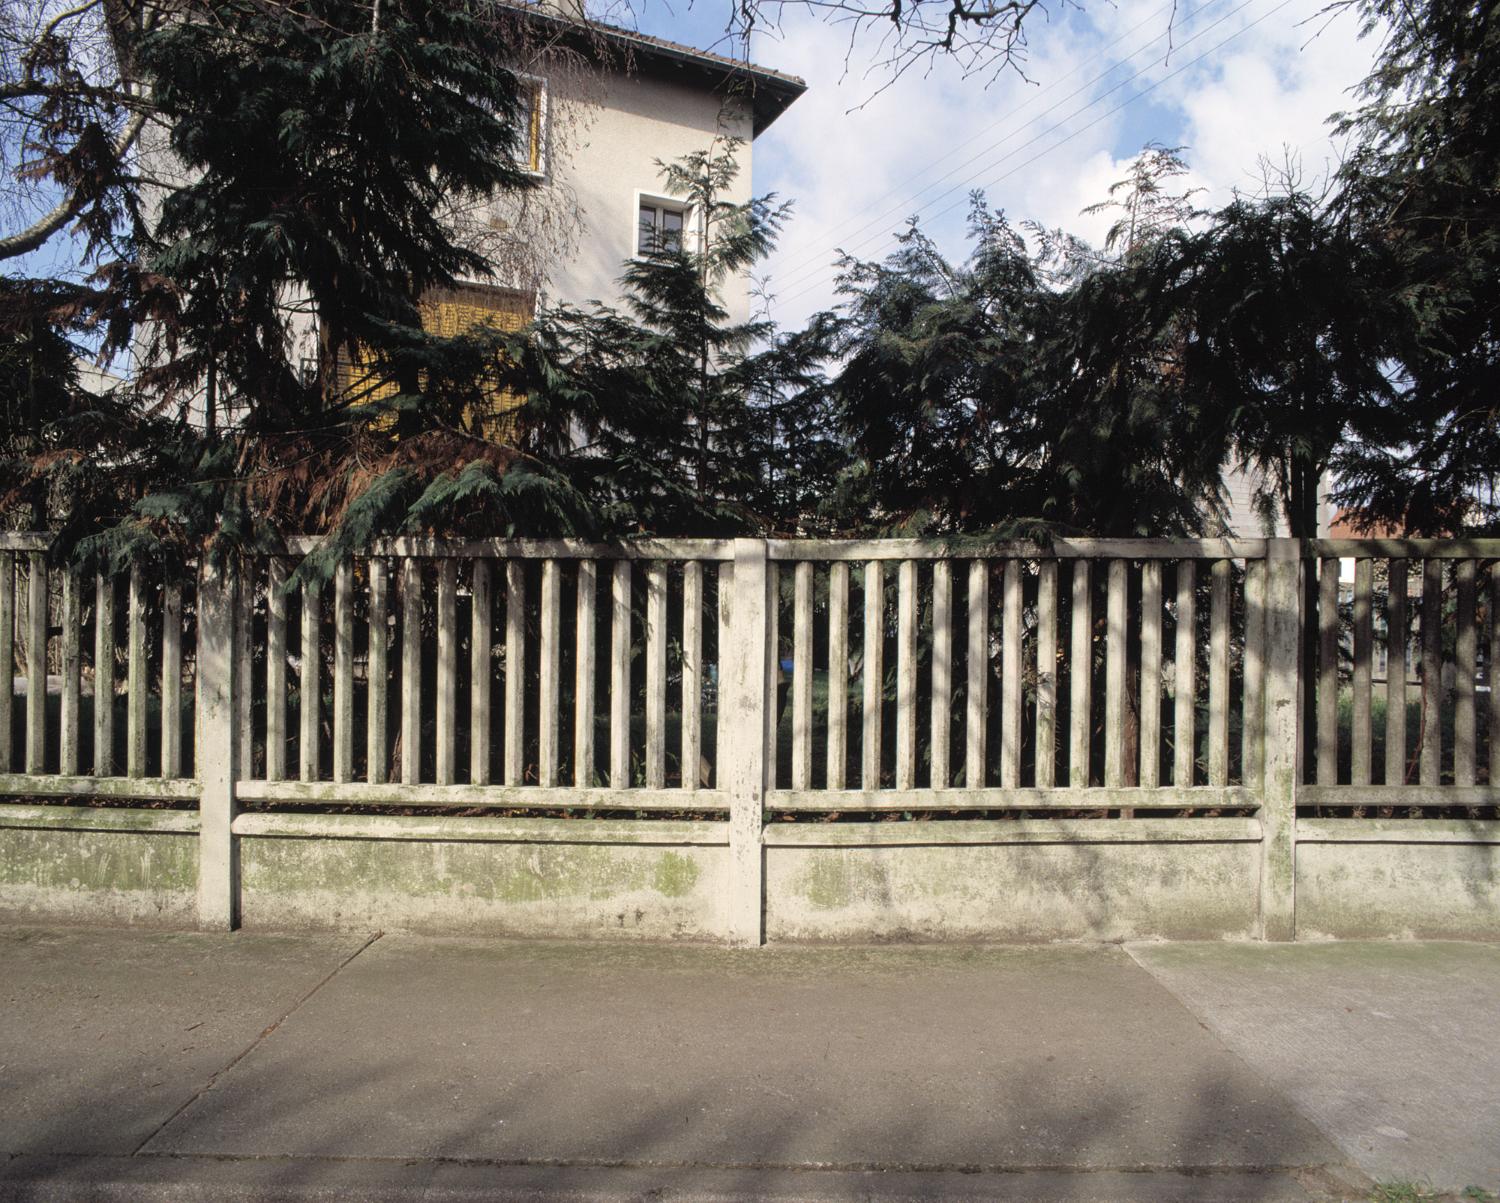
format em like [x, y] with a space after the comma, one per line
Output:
[750, 740]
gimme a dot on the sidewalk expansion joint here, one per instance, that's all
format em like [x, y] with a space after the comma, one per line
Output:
[140, 1149]
[808, 1167]
[1187, 1007]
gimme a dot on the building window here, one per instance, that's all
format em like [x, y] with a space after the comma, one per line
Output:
[660, 227]
[531, 120]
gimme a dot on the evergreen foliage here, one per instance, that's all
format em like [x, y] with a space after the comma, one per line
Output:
[1423, 185]
[666, 415]
[320, 150]
[322, 145]
[1025, 390]
[1290, 316]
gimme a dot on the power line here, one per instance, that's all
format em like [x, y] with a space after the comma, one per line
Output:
[907, 201]
[824, 270]
[897, 189]
[818, 269]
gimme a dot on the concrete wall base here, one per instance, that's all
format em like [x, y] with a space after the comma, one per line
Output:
[1037, 880]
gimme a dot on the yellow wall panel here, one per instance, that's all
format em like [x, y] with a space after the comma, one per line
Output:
[449, 313]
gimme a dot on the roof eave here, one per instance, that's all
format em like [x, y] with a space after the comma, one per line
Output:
[771, 92]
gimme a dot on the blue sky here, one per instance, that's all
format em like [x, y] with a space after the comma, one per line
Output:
[1231, 80]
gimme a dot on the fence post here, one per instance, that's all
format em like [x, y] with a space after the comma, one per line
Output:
[743, 722]
[1282, 736]
[218, 858]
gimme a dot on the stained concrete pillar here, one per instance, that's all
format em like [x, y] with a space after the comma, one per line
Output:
[743, 731]
[1283, 742]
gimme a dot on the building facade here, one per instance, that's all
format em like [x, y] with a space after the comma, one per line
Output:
[606, 108]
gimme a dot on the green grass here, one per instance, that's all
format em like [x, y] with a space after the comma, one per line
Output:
[1415, 1192]
[1401, 1192]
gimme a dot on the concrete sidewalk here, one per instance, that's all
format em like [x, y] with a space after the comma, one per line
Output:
[186, 1066]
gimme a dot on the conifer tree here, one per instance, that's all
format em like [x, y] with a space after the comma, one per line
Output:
[321, 144]
[1024, 390]
[1290, 328]
[308, 157]
[666, 413]
[1423, 186]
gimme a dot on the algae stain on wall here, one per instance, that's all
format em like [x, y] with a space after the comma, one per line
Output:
[98, 861]
[834, 880]
[675, 875]
[515, 874]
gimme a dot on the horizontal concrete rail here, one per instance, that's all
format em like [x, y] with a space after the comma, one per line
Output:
[44, 785]
[89, 818]
[468, 796]
[502, 830]
[1399, 831]
[1100, 798]
[1076, 832]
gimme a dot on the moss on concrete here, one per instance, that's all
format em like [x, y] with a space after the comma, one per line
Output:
[833, 879]
[105, 860]
[1012, 892]
[559, 889]
[1424, 891]
[675, 875]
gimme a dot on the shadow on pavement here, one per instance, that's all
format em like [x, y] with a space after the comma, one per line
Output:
[599, 1071]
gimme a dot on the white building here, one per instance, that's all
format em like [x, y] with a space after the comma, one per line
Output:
[1243, 520]
[602, 137]
[607, 107]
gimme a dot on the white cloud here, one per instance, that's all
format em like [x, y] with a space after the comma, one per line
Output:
[1269, 87]
[1274, 88]
[917, 146]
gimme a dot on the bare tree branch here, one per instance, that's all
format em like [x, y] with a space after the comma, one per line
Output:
[35, 235]
[985, 37]
[51, 28]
